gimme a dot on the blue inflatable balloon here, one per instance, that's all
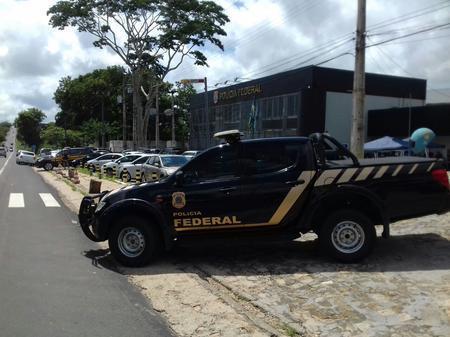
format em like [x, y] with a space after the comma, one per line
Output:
[421, 138]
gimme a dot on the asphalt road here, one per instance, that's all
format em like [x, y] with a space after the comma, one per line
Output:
[48, 287]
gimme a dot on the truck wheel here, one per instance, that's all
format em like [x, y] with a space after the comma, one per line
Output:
[347, 235]
[48, 166]
[133, 242]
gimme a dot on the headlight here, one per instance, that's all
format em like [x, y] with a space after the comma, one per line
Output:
[100, 205]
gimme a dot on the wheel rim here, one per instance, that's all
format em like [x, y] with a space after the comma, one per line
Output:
[131, 242]
[348, 237]
[48, 166]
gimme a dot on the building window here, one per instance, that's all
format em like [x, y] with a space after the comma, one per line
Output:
[292, 105]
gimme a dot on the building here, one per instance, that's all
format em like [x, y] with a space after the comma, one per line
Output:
[296, 102]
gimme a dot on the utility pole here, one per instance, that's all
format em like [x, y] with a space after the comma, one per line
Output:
[124, 114]
[103, 122]
[157, 118]
[206, 114]
[173, 120]
[359, 79]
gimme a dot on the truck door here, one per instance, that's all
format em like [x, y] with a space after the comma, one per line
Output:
[210, 197]
[276, 176]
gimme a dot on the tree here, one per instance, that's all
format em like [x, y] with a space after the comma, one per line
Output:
[85, 97]
[4, 127]
[28, 124]
[152, 37]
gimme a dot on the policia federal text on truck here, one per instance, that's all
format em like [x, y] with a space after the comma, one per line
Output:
[268, 186]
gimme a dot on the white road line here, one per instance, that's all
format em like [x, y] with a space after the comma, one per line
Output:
[6, 163]
[16, 200]
[49, 200]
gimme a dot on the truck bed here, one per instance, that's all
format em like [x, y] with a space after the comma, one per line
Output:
[380, 161]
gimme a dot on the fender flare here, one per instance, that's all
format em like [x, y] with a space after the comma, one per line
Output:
[340, 192]
[137, 206]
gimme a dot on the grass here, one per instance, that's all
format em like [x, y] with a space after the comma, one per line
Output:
[290, 331]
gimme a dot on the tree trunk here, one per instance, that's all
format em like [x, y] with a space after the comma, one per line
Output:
[138, 102]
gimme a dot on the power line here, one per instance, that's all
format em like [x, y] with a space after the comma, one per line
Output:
[410, 34]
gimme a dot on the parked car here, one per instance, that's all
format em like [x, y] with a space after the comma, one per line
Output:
[190, 154]
[26, 157]
[2, 151]
[172, 150]
[67, 154]
[85, 159]
[126, 153]
[108, 167]
[106, 158]
[131, 168]
[45, 153]
[160, 166]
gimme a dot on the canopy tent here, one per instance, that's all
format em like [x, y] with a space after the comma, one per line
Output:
[386, 143]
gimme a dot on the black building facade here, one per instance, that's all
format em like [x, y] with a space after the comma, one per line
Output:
[296, 102]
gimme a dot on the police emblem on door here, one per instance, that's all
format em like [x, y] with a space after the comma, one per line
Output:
[178, 200]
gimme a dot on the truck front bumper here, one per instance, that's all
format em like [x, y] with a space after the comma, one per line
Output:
[87, 217]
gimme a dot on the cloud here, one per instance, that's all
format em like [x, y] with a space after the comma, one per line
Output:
[264, 37]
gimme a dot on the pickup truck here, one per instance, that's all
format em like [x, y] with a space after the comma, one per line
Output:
[268, 187]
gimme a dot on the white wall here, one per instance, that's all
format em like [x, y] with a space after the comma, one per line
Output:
[338, 113]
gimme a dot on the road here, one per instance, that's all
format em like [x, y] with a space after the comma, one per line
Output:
[48, 287]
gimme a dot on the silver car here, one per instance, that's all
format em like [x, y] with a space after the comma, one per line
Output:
[106, 158]
[26, 157]
[108, 167]
[2, 152]
[162, 165]
[131, 168]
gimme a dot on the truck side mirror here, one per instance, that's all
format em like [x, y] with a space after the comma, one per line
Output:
[179, 178]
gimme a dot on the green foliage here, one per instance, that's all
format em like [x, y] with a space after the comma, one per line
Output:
[28, 124]
[4, 127]
[153, 29]
[55, 137]
[84, 98]
[92, 130]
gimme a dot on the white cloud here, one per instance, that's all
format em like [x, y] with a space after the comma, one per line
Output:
[264, 37]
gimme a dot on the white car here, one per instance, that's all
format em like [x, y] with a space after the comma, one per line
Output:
[190, 154]
[106, 158]
[131, 167]
[25, 157]
[162, 165]
[108, 167]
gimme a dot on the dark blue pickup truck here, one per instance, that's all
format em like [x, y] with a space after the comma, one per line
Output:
[266, 187]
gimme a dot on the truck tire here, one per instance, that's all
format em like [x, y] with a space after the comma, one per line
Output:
[48, 166]
[347, 235]
[134, 242]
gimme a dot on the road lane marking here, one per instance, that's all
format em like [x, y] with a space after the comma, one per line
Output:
[4, 165]
[16, 200]
[49, 200]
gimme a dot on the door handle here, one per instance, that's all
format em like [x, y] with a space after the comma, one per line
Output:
[227, 189]
[295, 182]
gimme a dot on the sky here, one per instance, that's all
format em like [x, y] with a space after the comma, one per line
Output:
[263, 37]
